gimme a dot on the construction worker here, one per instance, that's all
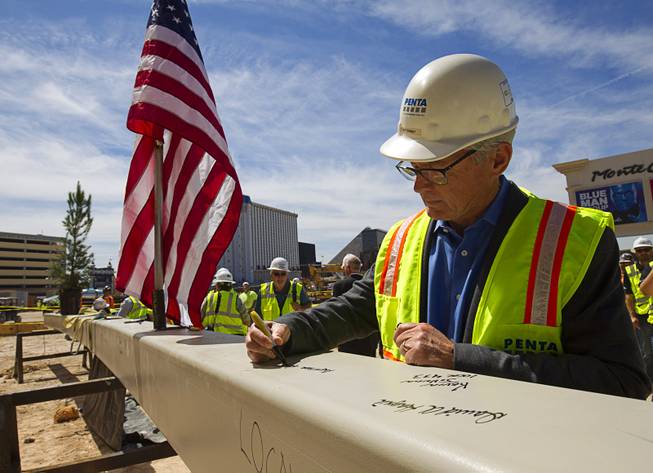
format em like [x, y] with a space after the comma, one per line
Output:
[106, 295]
[367, 346]
[133, 308]
[248, 296]
[101, 306]
[638, 287]
[488, 278]
[280, 296]
[625, 259]
[222, 310]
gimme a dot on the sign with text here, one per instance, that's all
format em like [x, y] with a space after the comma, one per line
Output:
[624, 201]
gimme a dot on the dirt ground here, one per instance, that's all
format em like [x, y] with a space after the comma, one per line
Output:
[42, 441]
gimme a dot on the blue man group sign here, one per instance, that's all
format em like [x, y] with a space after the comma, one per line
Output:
[624, 201]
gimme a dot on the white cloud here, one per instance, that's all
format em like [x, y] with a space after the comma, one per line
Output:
[62, 121]
[305, 138]
[304, 129]
[334, 203]
[532, 28]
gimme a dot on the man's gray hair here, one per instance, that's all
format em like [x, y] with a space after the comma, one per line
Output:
[486, 145]
[353, 261]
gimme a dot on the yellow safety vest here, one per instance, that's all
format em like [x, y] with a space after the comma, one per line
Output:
[139, 310]
[642, 301]
[248, 298]
[540, 264]
[221, 313]
[269, 305]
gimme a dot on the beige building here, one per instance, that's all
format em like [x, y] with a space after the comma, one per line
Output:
[263, 233]
[620, 184]
[24, 266]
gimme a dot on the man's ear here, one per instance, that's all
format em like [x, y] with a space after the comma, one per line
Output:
[501, 157]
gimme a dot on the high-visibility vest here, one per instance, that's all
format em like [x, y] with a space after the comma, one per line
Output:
[540, 264]
[269, 305]
[642, 301]
[138, 310]
[221, 313]
[248, 299]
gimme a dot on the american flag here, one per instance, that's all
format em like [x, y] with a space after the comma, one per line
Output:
[173, 102]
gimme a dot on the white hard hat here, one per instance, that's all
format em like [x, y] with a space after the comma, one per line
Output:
[223, 275]
[99, 304]
[279, 264]
[449, 105]
[642, 242]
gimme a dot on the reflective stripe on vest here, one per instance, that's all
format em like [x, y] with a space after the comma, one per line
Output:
[138, 310]
[643, 303]
[550, 242]
[388, 284]
[269, 304]
[224, 317]
[537, 269]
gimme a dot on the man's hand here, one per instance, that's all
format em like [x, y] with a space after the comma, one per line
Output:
[634, 320]
[259, 346]
[423, 344]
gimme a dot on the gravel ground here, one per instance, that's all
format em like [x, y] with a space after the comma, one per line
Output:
[42, 441]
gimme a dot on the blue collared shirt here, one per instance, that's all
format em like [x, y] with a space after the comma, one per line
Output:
[454, 264]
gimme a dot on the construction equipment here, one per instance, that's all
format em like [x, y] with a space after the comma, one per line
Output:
[320, 284]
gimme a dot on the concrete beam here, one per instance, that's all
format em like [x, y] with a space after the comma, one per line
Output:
[334, 412]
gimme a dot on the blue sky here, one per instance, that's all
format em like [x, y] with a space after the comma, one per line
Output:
[307, 91]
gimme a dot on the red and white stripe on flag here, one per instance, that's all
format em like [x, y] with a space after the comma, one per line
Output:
[173, 102]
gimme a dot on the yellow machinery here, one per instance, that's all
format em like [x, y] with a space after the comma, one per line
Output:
[320, 285]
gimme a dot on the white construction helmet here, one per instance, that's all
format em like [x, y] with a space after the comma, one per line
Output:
[223, 275]
[279, 264]
[642, 242]
[451, 104]
[99, 304]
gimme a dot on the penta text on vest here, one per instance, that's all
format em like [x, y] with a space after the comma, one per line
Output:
[526, 344]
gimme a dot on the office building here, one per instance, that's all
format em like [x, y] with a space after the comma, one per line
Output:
[263, 233]
[25, 262]
[103, 277]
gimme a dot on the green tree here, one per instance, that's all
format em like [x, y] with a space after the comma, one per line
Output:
[72, 268]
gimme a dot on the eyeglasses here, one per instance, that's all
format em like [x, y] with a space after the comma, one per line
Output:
[276, 273]
[434, 175]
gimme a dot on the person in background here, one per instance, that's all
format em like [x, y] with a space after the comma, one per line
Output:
[100, 305]
[248, 296]
[280, 296]
[625, 259]
[368, 346]
[638, 286]
[222, 310]
[106, 295]
[133, 308]
[487, 278]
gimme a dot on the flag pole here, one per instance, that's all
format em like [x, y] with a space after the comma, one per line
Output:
[157, 295]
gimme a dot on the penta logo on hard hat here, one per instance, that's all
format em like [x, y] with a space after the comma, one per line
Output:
[414, 106]
[469, 101]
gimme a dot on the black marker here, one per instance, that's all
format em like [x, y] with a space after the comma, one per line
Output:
[263, 328]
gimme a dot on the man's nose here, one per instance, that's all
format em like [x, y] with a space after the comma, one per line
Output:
[420, 183]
